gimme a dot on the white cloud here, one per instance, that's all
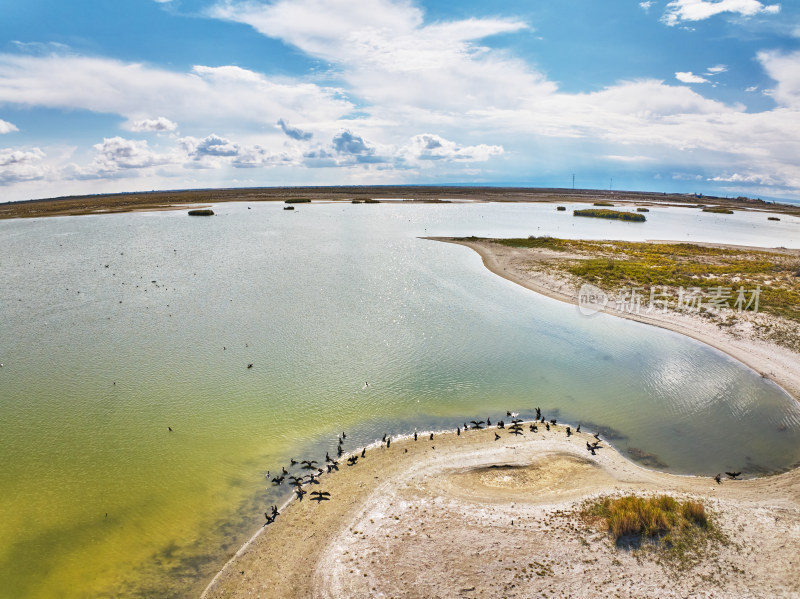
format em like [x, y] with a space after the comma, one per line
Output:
[752, 88]
[698, 10]
[630, 158]
[785, 70]
[201, 98]
[434, 148]
[294, 132]
[646, 5]
[158, 125]
[21, 165]
[716, 70]
[689, 77]
[6, 127]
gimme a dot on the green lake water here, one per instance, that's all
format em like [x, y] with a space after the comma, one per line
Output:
[115, 327]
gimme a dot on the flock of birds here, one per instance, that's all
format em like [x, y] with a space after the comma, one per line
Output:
[308, 472]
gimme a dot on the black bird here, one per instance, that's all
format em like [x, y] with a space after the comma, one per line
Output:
[476, 424]
[275, 511]
[501, 424]
[352, 460]
[309, 464]
[249, 365]
[718, 478]
[343, 435]
[592, 450]
[488, 422]
[277, 480]
[296, 480]
[285, 472]
[431, 438]
[320, 496]
[508, 413]
[170, 428]
[516, 421]
[733, 475]
[388, 442]
[300, 492]
[569, 432]
[339, 451]
[327, 457]
[553, 421]
[415, 435]
[458, 431]
[578, 429]
[364, 452]
[270, 519]
[292, 461]
[534, 428]
[496, 436]
[384, 438]
[588, 446]
[597, 436]
[538, 413]
[547, 424]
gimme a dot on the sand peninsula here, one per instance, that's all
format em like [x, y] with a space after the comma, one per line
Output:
[473, 515]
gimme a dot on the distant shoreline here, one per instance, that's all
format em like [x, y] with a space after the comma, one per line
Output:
[182, 199]
[769, 360]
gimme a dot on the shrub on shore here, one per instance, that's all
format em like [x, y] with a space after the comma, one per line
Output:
[642, 209]
[718, 210]
[614, 214]
[603, 204]
[201, 212]
[678, 530]
[561, 208]
[297, 201]
[773, 218]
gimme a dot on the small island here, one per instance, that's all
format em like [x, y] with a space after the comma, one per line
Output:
[612, 214]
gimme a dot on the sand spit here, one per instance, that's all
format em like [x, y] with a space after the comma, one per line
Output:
[473, 516]
[771, 361]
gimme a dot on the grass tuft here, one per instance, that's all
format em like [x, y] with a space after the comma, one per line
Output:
[613, 214]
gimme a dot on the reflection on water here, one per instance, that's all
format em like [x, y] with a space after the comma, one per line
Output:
[118, 327]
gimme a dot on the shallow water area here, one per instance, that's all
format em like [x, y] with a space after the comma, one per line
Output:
[116, 327]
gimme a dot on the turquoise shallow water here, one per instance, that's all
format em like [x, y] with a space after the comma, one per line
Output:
[116, 327]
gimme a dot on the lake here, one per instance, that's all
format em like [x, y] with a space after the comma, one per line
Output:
[116, 327]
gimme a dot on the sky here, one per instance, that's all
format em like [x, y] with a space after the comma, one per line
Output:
[694, 96]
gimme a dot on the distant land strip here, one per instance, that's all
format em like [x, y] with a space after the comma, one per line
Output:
[173, 200]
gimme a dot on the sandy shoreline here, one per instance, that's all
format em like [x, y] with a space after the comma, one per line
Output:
[474, 516]
[771, 361]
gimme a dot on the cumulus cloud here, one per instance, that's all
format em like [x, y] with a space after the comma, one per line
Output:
[646, 5]
[689, 77]
[294, 132]
[679, 11]
[21, 165]
[429, 146]
[6, 127]
[158, 125]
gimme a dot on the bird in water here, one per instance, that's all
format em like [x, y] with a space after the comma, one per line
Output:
[249, 365]
[170, 428]
[365, 386]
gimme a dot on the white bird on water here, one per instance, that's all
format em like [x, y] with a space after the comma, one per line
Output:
[365, 386]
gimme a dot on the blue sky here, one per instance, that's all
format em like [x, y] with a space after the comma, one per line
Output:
[664, 95]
